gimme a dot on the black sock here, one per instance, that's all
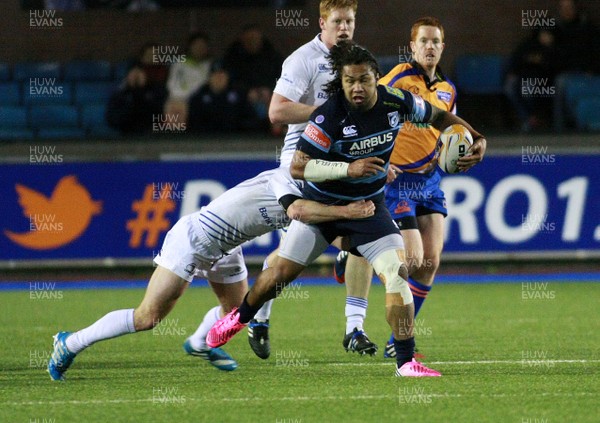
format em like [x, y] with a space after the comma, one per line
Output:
[247, 311]
[405, 349]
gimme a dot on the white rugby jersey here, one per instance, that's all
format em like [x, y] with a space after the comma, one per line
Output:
[246, 211]
[303, 75]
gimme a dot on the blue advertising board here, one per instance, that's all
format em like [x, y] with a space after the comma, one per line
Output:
[123, 210]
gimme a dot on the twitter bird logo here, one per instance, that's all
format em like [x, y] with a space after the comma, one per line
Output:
[58, 220]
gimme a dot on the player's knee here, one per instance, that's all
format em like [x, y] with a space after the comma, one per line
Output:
[403, 271]
[428, 268]
[144, 319]
[414, 261]
[394, 274]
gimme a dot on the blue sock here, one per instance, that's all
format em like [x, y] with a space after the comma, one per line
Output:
[419, 292]
[405, 350]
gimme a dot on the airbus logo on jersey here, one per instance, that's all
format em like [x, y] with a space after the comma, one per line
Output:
[368, 145]
[350, 131]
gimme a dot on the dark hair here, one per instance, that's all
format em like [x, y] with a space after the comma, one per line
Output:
[347, 52]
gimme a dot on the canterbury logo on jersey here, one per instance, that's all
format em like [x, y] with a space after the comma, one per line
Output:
[349, 131]
[324, 67]
[368, 145]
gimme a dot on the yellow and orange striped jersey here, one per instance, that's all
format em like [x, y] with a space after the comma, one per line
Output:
[415, 143]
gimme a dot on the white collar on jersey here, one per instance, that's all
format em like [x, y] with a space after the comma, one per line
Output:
[321, 44]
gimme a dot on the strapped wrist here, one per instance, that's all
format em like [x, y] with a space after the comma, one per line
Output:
[322, 170]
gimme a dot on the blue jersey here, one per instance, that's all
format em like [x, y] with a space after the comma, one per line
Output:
[335, 132]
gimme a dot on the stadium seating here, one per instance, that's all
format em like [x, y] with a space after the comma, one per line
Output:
[93, 92]
[578, 87]
[120, 70]
[587, 114]
[88, 70]
[4, 72]
[54, 100]
[387, 63]
[13, 123]
[61, 133]
[13, 116]
[56, 116]
[27, 70]
[56, 92]
[10, 94]
[571, 89]
[94, 122]
[479, 73]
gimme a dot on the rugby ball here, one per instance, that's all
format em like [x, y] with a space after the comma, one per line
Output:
[453, 143]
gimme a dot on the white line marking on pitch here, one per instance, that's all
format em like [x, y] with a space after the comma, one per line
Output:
[301, 398]
[524, 361]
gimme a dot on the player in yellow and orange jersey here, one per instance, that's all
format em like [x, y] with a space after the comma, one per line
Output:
[414, 199]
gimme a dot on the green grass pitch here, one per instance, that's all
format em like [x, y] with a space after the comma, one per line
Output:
[506, 356]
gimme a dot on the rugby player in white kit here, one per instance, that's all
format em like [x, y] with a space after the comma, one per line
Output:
[299, 91]
[206, 244]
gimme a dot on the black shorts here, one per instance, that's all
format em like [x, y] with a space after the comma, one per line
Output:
[361, 231]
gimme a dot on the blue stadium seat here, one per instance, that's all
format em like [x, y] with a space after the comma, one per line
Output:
[587, 114]
[47, 91]
[93, 119]
[479, 73]
[57, 116]
[579, 86]
[387, 63]
[4, 72]
[13, 117]
[9, 94]
[88, 70]
[14, 134]
[27, 70]
[120, 70]
[93, 92]
[56, 133]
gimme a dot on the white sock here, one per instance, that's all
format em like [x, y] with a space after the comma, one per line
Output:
[198, 338]
[115, 323]
[265, 311]
[356, 311]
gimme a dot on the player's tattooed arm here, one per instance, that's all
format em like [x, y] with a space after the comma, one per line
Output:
[441, 119]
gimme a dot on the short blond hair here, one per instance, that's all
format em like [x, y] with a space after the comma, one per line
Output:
[326, 6]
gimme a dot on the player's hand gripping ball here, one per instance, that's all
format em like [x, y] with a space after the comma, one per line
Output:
[453, 143]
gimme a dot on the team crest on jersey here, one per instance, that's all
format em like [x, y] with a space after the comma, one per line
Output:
[320, 119]
[393, 119]
[394, 91]
[414, 89]
[444, 96]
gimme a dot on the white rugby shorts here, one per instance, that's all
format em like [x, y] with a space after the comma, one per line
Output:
[187, 253]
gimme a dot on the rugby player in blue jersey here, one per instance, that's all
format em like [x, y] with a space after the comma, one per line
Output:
[343, 155]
